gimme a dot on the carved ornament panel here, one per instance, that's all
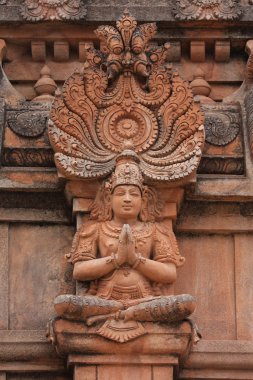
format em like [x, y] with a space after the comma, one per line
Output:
[42, 10]
[28, 122]
[207, 10]
[28, 157]
[222, 124]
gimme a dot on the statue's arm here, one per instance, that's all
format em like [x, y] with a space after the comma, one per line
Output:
[165, 258]
[87, 266]
[93, 269]
[164, 273]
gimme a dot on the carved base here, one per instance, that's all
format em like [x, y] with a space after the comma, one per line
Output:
[153, 355]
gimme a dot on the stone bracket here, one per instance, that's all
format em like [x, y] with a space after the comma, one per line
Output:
[153, 355]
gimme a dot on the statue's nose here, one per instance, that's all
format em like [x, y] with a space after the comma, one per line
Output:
[127, 198]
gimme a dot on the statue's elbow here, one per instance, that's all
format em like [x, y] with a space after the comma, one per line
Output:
[172, 273]
[173, 276]
[78, 274]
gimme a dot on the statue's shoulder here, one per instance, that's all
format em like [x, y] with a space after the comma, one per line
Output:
[89, 228]
[84, 243]
[166, 248]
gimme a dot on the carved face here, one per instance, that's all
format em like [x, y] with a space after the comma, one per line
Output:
[126, 202]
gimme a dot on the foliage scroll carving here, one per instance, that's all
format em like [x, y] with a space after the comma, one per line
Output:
[126, 96]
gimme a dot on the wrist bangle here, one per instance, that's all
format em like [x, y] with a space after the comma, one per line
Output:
[139, 260]
[112, 259]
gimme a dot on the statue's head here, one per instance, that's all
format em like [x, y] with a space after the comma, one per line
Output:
[125, 194]
[126, 203]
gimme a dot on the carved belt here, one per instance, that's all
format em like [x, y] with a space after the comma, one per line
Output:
[118, 292]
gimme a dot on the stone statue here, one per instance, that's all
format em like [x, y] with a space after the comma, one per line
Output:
[126, 117]
[128, 258]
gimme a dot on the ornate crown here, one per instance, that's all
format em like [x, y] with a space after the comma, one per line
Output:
[127, 171]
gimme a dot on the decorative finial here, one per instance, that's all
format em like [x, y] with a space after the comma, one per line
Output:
[200, 87]
[45, 87]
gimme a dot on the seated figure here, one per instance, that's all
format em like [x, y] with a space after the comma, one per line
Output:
[128, 257]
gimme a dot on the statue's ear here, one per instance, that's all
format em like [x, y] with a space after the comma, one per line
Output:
[144, 207]
[107, 196]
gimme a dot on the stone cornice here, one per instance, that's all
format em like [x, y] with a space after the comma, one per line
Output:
[97, 11]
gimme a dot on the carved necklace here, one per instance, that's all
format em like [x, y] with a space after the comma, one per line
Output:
[139, 232]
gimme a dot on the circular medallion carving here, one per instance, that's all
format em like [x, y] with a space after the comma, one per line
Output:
[127, 128]
[28, 123]
[221, 129]
[115, 126]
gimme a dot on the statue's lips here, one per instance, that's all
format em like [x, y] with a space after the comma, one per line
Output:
[127, 207]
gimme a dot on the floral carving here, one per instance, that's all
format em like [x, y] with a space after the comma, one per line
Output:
[39, 10]
[221, 165]
[207, 10]
[35, 157]
[126, 96]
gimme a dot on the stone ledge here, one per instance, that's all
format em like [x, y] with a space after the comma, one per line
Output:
[24, 350]
[212, 217]
[75, 337]
[29, 179]
[224, 354]
[123, 359]
[29, 351]
[33, 215]
[214, 187]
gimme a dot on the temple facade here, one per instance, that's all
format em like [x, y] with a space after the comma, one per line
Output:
[206, 50]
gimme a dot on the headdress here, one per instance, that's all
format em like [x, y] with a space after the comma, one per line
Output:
[127, 171]
[126, 93]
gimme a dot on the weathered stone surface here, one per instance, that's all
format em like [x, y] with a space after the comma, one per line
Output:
[33, 200]
[219, 359]
[21, 345]
[199, 217]
[4, 276]
[29, 179]
[222, 124]
[238, 188]
[2, 124]
[209, 274]
[28, 120]
[7, 91]
[244, 286]
[36, 256]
